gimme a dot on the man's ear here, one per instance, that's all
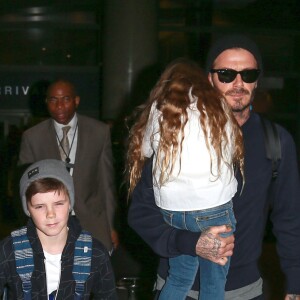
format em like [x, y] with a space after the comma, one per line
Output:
[77, 101]
[209, 76]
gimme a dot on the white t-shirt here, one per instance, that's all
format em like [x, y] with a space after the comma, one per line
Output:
[192, 185]
[53, 270]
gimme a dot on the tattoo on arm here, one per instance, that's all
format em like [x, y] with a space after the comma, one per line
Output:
[210, 245]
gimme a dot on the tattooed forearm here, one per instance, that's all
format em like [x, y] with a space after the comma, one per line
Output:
[208, 246]
[212, 246]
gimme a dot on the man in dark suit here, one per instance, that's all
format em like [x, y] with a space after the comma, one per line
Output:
[86, 149]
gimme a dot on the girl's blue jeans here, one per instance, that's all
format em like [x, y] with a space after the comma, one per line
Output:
[183, 268]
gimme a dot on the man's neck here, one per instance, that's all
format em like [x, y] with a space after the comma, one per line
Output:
[242, 116]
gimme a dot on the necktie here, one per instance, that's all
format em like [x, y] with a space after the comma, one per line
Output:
[64, 143]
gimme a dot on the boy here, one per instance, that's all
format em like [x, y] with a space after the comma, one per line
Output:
[52, 257]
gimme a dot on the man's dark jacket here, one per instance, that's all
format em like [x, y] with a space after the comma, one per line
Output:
[251, 208]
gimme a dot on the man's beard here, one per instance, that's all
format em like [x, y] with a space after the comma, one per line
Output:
[238, 107]
[241, 108]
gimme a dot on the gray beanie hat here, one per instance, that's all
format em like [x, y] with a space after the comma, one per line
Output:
[48, 168]
[232, 41]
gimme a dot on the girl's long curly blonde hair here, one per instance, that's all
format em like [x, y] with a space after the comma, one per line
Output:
[171, 94]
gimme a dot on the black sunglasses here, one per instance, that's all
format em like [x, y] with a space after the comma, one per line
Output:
[228, 75]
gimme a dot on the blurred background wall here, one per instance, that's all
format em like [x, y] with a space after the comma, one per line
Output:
[113, 50]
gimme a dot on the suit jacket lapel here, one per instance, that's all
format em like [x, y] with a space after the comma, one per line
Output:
[80, 142]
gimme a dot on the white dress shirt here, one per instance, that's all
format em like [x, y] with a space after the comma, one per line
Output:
[72, 137]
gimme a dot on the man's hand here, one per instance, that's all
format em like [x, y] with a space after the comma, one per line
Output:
[215, 248]
[292, 297]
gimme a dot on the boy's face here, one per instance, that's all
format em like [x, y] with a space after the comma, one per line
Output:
[50, 213]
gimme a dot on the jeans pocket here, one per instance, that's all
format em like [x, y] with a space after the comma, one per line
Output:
[225, 217]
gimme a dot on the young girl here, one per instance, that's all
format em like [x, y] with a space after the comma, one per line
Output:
[52, 257]
[195, 143]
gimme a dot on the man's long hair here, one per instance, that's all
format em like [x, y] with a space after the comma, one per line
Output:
[171, 94]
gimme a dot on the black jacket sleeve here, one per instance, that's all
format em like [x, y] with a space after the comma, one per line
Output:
[285, 213]
[146, 219]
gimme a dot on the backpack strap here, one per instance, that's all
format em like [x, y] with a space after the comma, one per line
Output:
[82, 262]
[272, 144]
[24, 259]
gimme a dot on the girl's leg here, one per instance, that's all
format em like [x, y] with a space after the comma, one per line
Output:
[181, 277]
[213, 280]
[212, 275]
